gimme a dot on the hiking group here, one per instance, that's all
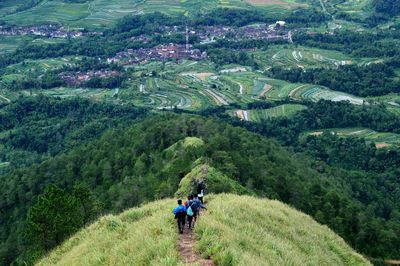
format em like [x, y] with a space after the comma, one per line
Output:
[190, 210]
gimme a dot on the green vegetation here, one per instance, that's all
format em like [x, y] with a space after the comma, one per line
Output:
[258, 115]
[32, 129]
[71, 112]
[381, 139]
[216, 182]
[147, 235]
[139, 236]
[239, 230]
[124, 171]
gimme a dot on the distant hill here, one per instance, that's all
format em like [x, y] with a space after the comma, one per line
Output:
[236, 230]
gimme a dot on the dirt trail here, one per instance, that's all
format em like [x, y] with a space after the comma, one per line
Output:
[186, 248]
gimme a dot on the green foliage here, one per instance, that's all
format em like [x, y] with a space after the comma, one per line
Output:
[139, 236]
[32, 128]
[127, 167]
[54, 217]
[216, 182]
[371, 80]
[391, 7]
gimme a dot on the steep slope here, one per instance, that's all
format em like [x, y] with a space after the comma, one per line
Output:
[236, 230]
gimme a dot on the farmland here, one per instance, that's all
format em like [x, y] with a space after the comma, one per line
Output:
[381, 139]
[257, 115]
[103, 13]
[302, 57]
[282, 90]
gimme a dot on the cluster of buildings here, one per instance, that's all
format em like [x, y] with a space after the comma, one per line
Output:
[77, 78]
[206, 35]
[271, 32]
[161, 52]
[50, 31]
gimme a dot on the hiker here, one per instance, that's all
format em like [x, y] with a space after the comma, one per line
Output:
[196, 206]
[200, 190]
[180, 215]
[189, 211]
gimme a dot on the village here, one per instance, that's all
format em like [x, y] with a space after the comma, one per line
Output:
[77, 78]
[206, 35]
[50, 31]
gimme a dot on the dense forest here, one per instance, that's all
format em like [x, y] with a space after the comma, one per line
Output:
[128, 166]
[391, 7]
[35, 128]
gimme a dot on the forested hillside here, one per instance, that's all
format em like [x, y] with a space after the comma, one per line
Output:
[126, 167]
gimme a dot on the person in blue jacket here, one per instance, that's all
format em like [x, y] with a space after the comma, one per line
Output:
[180, 215]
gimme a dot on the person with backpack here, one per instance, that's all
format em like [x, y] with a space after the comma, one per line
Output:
[189, 211]
[200, 190]
[180, 215]
[196, 206]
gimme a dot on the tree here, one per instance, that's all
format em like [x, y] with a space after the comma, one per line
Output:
[88, 205]
[55, 216]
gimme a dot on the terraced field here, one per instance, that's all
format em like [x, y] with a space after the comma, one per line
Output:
[100, 13]
[280, 90]
[285, 110]
[302, 57]
[11, 43]
[381, 139]
[39, 66]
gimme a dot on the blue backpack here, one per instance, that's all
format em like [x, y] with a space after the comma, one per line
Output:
[190, 211]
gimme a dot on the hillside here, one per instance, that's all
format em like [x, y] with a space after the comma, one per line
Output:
[163, 154]
[236, 230]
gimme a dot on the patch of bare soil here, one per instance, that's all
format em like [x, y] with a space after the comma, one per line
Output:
[186, 249]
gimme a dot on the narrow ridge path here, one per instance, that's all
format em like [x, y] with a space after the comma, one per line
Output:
[186, 248]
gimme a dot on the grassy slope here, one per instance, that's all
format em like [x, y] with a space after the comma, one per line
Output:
[242, 229]
[235, 231]
[139, 236]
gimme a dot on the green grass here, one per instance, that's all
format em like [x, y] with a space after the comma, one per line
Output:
[285, 110]
[236, 230]
[215, 180]
[140, 236]
[242, 230]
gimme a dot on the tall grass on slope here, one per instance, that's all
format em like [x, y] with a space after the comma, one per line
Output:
[243, 230]
[139, 236]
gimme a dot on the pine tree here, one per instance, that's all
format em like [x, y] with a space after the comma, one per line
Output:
[55, 216]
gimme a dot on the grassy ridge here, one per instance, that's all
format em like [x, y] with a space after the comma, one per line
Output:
[139, 236]
[236, 230]
[243, 229]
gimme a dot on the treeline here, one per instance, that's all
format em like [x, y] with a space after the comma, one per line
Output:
[350, 153]
[371, 80]
[321, 115]
[389, 7]
[41, 126]
[127, 167]
[382, 44]
[227, 56]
